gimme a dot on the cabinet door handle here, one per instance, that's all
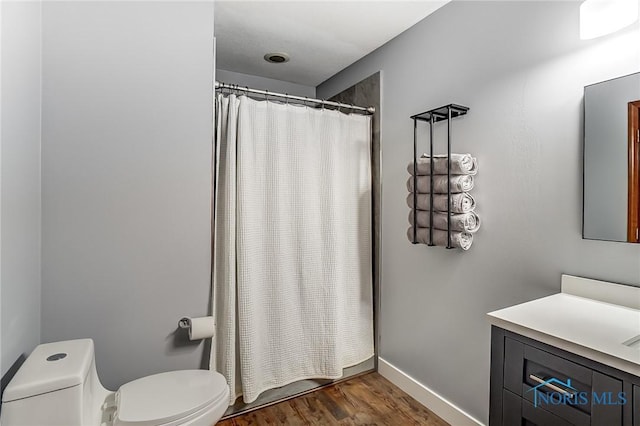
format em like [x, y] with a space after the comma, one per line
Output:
[551, 386]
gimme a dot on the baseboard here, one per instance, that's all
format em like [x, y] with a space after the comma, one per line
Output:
[425, 396]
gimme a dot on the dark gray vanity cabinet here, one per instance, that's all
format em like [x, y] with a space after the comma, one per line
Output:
[636, 405]
[533, 383]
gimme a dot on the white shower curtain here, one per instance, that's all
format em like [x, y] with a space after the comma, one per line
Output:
[292, 281]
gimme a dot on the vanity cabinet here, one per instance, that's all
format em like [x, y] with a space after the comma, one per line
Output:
[533, 383]
[636, 405]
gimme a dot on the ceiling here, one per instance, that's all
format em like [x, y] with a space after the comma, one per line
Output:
[321, 37]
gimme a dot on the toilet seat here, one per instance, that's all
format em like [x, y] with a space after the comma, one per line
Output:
[172, 398]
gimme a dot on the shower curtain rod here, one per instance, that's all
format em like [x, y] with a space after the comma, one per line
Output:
[366, 110]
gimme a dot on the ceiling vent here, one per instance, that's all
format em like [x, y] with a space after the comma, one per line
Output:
[276, 58]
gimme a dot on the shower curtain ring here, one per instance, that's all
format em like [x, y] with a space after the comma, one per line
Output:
[246, 90]
[266, 95]
[286, 97]
[322, 105]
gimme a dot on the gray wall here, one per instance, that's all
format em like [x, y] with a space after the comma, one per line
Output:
[521, 68]
[21, 208]
[127, 137]
[606, 157]
[264, 83]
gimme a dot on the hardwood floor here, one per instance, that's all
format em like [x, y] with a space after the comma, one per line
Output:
[365, 400]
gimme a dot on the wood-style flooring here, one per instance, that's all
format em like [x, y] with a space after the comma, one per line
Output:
[365, 400]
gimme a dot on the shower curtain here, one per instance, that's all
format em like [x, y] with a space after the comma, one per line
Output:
[292, 274]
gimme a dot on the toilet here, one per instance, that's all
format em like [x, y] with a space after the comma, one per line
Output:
[58, 385]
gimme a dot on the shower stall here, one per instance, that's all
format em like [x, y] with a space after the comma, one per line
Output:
[295, 245]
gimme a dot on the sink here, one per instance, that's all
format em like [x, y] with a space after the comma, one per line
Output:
[634, 342]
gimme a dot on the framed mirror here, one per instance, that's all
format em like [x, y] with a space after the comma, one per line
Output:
[611, 204]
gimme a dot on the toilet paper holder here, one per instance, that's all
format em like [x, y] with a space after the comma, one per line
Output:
[198, 328]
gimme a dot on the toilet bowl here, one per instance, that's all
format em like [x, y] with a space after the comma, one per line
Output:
[58, 385]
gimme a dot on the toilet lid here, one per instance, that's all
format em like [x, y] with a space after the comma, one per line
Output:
[166, 397]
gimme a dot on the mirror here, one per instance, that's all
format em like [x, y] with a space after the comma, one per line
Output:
[612, 160]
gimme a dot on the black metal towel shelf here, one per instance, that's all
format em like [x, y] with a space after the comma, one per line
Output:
[432, 116]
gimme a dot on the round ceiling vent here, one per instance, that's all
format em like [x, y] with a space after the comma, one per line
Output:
[276, 57]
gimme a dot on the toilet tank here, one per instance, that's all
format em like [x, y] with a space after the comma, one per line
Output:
[57, 385]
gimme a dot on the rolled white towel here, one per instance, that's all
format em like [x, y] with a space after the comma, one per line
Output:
[461, 164]
[459, 183]
[462, 222]
[462, 202]
[461, 240]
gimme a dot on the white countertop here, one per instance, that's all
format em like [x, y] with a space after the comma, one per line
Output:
[590, 328]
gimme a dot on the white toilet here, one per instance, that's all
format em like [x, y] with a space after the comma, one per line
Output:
[58, 385]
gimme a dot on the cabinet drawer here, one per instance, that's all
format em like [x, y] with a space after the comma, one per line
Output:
[548, 381]
[520, 412]
[564, 388]
[532, 416]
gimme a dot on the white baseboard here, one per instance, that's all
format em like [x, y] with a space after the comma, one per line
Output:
[425, 396]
